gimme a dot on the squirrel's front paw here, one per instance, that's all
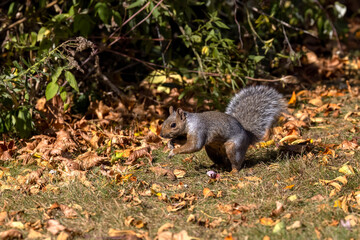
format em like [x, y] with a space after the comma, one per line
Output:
[170, 144]
[171, 154]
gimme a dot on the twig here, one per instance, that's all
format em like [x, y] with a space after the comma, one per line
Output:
[150, 13]
[292, 52]
[265, 80]
[17, 23]
[124, 23]
[278, 20]
[238, 25]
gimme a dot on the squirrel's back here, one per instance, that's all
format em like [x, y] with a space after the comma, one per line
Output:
[256, 108]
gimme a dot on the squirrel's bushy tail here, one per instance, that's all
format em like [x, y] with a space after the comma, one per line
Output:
[256, 108]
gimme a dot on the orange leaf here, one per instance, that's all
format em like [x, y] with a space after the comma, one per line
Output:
[267, 221]
[289, 187]
[292, 99]
[208, 193]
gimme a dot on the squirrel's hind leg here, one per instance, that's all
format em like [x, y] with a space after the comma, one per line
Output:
[235, 151]
[217, 154]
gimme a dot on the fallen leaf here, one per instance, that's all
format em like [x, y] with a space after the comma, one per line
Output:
[34, 234]
[124, 234]
[11, 234]
[179, 173]
[353, 220]
[292, 99]
[316, 101]
[266, 221]
[295, 225]
[54, 226]
[208, 193]
[253, 179]
[89, 160]
[347, 170]
[289, 187]
[279, 209]
[63, 236]
[292, 198]
[142, 152]
[68, 211]
[183, 235]
[318, 198]
[279, 227]
[165, 227]
[3, 217]
[166, 235]
[318, 233]
[16, 224]
[164, 172]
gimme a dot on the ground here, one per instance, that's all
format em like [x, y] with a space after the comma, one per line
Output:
[302, 183]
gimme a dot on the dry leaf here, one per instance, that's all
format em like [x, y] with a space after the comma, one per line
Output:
[3, 217]
[90, 159]
[316, 102]
[253, 179]
[63, 143]
[11, 234]
[34, 234]
[16, 224]
[54, 226]
[353, 220]
[183, 235]
[164, 172]
[166, 235]
[142, 152]
[318, 233]
[68, 211]
[292, 99]
[279, 209]
[179, 173]
[63, 236]
[347, 170]
[123, 234]
[165, 227]
[208, 193]
[267, 221]
[295, 225]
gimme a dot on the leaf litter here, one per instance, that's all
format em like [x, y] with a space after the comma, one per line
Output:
[75, 149]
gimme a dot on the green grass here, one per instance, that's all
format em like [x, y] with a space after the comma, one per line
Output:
[108, 203]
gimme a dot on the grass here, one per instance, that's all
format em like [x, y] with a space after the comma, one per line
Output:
[266, 178]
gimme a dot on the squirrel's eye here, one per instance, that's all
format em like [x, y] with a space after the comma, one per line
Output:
[173, 125]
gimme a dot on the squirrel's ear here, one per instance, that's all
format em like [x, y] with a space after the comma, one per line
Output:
[171, 110]
[181, 114]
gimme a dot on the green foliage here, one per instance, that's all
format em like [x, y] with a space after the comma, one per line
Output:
[216, 49]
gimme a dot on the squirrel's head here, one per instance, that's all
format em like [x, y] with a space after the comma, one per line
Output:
[175, 124]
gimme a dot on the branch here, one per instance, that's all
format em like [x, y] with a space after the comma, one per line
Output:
[278, 20]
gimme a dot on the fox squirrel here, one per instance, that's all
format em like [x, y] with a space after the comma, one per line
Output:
[226, 136]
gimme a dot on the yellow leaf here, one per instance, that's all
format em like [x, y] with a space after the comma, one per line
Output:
[292, 198]
[337, 203]
[18, 225]
[347, 170]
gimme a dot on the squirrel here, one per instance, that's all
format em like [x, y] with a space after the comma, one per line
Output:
[226, 136]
